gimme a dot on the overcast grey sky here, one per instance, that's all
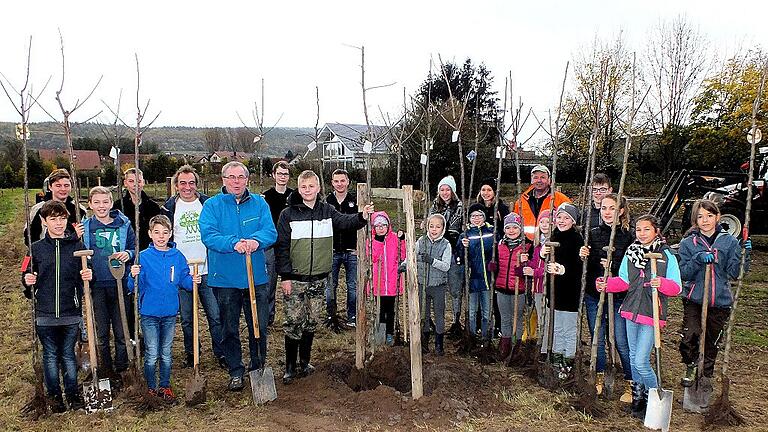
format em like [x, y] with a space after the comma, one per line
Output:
[203, 61]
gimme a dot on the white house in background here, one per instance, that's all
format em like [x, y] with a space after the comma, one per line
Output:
[342, 145]
[220, 155]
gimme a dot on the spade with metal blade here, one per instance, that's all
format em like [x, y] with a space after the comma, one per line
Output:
[696, 398]
[262, 380]
[659, 409]
[97, 392]
[195, 392]
[117, 268]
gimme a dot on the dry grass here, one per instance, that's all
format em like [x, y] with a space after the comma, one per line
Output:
[511, 401]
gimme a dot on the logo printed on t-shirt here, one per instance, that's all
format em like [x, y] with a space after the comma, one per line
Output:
[189, 221]
[107, 237]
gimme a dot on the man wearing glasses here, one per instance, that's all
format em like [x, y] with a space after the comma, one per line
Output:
[236, 225]
[601, 186]
[183, 209]
[277, 199]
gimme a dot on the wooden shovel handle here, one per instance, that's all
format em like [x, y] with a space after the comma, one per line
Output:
[252, 295]
[195, 324]
[89, 319]
[704, 310]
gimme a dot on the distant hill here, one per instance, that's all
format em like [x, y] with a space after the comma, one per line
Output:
[168, 138]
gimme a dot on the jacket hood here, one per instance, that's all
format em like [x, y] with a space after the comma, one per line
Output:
[381, 214]
[442, 232]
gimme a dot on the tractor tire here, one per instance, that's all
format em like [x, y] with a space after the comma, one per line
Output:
[732, 220]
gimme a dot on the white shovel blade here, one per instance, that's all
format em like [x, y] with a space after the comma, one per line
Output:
[659, 410]
[98, 399]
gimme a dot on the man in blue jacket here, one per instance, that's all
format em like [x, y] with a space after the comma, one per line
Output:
[183, 210]
[236, 225]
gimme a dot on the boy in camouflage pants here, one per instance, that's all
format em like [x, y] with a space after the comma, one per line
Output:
[303, 258]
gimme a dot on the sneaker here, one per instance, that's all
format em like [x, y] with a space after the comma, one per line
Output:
[690, 375]
[166, 394]
[390, 341]
[56, 402]
[352, 323]
[152, 393]
[236, 383]
[75, 402]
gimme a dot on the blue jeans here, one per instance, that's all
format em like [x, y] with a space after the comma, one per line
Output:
[481, 299]
[59, 348]
[211, 308]
[620, 338]
[640, 339]
[231, 302]
[349, 261]
[158, 342]
[619, 332]
[106, 313]
[269, 259]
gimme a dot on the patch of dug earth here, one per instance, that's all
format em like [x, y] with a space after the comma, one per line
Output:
[454, 390]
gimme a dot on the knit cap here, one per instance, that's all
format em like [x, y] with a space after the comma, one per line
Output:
[447, 180]
[544, 214]
[490, 181]
[477, 207]
[569, 209]
[513, 219]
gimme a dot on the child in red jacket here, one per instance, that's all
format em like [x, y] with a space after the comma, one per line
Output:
[512, 253]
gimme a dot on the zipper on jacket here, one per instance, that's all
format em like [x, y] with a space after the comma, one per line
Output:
[509, 263]
[58, 271]
[312, 240]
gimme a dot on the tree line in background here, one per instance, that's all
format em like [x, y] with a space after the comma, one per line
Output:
[695, 114]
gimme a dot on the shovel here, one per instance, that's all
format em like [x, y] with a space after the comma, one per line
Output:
[98, 392]
[262, 380]
[194, 392]
[696, 397]
[659, 409]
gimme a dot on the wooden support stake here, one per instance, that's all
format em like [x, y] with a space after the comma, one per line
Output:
[361, 333]
[414, 311]
[170, 189]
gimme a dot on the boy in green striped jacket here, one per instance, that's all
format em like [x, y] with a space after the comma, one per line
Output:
[303, 258]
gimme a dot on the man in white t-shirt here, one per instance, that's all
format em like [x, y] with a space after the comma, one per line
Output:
[183, 210]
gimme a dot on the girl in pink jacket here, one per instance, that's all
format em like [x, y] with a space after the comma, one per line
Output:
[536, 267]
[387, 251]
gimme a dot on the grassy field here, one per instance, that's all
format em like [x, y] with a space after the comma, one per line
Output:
[461, 394]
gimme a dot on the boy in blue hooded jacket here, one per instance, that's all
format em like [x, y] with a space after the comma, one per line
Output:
[479, 240]
[163, 270]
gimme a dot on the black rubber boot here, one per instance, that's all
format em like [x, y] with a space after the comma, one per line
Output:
[305, 353]
[439, 344]
[424, 343]
[291, 350]
[639, 400]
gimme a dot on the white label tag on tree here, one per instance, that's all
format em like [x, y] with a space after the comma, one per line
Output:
[256, 138]
[471, 155]
[501, 152]
[455, 136]
[423, 159]
[311, 146]
[367, 146]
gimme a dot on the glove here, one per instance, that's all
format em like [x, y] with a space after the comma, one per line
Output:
[705, 257]
[28, 292]
[492, 267]
[748, 244]
[426, 258]
[401, 235]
